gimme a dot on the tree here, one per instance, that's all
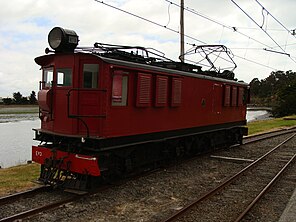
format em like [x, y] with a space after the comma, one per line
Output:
[266, 92]
[255, 87]
[24, 101]
[17, 98]
[7, 101]
[32, 98]
[286, 101]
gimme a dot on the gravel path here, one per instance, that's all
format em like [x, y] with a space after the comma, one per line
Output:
[230, 202]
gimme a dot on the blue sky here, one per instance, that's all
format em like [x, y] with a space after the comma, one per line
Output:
[24, 26]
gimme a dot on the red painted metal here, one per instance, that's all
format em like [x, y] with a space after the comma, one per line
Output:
[44, 99]
[121, 99]
[77, 163]
[161, 95]
[189, 102]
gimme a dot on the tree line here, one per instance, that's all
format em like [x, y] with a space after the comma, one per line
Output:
[19, 99]
[278, 91]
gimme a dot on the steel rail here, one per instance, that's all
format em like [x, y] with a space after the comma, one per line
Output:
[267, 135]
[37, 210]
[264, 190]
[212, 192]
[24, 194]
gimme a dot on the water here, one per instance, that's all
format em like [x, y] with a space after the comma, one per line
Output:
[16, 136]
[253, 115]
[17, 139]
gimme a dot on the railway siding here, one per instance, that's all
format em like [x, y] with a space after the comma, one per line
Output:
[155, 197]
[231, 201]
[162, 193]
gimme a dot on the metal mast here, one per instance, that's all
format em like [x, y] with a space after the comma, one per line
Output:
[181, 57]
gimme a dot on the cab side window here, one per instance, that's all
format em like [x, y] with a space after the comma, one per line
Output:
[64, 77]
[90, 75]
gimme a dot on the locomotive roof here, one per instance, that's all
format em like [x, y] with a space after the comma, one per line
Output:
[140, 57]
[151, 67]
[200, 74]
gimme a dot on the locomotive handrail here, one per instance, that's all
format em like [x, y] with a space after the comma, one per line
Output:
[51, 99]
[79, 117]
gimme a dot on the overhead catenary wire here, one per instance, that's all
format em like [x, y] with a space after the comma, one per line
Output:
[232, 28]
[175, 31]
[169, 15]
[148, 20]
[257, 24]
[263, 8]
[255, 62]
[235, 29]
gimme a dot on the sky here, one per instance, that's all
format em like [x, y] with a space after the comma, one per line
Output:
[24, 26]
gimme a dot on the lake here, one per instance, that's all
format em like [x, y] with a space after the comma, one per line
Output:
[253, 115]
[16, 136]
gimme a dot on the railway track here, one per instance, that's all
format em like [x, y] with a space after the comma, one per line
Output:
[16, 206]
[236, 196]
[267, 135]
[13, 197]
[41, 207]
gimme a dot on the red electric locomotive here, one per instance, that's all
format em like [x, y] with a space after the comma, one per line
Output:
[109, 109]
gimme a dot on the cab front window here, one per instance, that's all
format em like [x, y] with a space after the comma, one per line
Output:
[47, 77]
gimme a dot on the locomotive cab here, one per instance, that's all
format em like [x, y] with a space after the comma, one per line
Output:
[69, 79]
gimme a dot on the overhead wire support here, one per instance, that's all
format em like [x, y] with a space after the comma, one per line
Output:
[261, 28]
[234, 29]
[182, 55]
[284, 53]
[150, 21]
[172, 30]
[257, 24]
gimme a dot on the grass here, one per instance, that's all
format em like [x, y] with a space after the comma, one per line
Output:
[272, 124]
[18, 178]
[18, 109]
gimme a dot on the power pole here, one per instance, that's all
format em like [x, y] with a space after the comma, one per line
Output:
[182, 31]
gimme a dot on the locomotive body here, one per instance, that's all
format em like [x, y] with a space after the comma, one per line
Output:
[106, 111]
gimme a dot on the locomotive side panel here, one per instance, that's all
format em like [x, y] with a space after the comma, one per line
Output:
[191, 103]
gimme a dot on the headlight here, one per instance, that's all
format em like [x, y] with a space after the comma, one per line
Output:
[62, 40]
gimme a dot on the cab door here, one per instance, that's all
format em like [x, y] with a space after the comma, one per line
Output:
[64, 77]
[89, 98]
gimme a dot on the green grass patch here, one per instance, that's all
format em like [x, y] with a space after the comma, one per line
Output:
[272, 124]
[18, 178]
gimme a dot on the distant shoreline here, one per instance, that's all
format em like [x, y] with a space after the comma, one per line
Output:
[257, 108]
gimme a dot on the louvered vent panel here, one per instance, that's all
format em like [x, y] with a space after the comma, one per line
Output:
[144, 90]
[234, 96]
[161, 91]
[240, 96]
[227, 95]
[176, 92]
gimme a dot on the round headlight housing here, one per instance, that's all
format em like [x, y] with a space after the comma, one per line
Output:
[62, 40]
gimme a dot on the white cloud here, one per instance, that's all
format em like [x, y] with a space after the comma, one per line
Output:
[24, 26]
